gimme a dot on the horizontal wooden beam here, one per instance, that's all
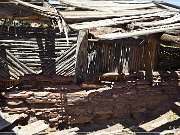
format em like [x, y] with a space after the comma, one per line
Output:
[140, 32]
[120, 20]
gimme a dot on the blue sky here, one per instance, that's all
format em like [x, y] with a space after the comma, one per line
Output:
[176, 2]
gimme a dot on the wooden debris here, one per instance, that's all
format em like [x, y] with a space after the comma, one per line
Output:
[33, 128]
[22, 94]
[48, 67]
[80, 16]
[116, 21]
[174, 131]
[106, 5]
[141, 32]
[71, 131]
[6, 119]
[171, 20]
[64, 87]
[91, 86]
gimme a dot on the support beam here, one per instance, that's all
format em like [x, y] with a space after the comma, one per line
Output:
[150, 51]
[81, 57]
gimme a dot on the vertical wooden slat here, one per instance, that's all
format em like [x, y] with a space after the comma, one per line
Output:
[150, 56]
[81, 57]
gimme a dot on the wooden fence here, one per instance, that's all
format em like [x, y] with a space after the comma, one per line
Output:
[122, 56]
[35, 47]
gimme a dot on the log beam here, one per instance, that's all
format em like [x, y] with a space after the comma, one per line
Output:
[150, 51]
[170, 38]
[81, 57]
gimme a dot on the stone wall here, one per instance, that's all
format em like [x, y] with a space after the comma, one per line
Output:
[66, 103]
[134, 98]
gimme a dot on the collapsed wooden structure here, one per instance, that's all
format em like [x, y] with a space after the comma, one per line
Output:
[80, 42]
[44, 49]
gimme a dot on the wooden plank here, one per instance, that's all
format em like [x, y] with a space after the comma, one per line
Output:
[21, 64]
[6, 119]
[139, 32]
[170, 20]
[72, 16]
[106, 5]
[33, 128]
[81, 57]
[59, 60]
[65, 132]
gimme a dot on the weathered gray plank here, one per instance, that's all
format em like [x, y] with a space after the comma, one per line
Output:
[171, 20]
[117, 21]
[18, 62]
[106, 5]
[33, 128]
[82, 15]
[6, 120]
[140, 32]
[65, 132]
[81, 57]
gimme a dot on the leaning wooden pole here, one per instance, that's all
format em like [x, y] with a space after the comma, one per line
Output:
[150, 51]
[81, 57]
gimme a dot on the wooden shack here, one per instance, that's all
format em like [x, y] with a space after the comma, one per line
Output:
[48, 55]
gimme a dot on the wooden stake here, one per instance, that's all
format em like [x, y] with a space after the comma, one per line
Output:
[81, 57]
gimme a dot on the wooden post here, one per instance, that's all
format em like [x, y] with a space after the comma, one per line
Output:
[150, 50]
[81, 57]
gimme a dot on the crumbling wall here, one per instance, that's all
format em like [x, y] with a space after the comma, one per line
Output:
[61, 102]
[130, 98]
[123, 100]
